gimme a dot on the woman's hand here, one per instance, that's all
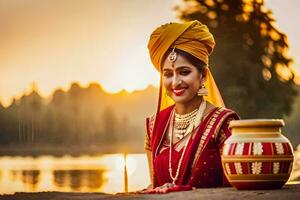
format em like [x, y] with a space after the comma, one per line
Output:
[161, 189]
[147, 190]
[164, 188]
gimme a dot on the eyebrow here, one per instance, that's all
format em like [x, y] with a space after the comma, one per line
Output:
[183, 67]
[178, 68]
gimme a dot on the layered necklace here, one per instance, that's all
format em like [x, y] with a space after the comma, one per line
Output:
[190, 128]
[182, 122]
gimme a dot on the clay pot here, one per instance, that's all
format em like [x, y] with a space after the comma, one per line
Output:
[257, 155]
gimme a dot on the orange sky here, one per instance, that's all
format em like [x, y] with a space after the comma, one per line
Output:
[54, 42]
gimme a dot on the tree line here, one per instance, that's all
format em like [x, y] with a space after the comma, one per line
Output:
[74, 117]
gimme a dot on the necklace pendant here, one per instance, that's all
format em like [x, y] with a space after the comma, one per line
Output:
[179, 136]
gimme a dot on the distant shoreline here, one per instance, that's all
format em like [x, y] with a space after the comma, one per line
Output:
[73, 150]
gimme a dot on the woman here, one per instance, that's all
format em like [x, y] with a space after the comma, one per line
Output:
[184, 139]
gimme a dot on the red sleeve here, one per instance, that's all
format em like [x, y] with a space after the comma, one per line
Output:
[223, 134]
[149, 131]
[147, 144]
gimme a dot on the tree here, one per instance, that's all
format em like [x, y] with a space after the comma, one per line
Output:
[292, 126]
[249, 62]
[110, 124]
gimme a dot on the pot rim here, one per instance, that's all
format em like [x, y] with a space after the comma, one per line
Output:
[256, 123]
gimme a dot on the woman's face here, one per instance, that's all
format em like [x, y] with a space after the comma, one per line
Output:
[182, 80]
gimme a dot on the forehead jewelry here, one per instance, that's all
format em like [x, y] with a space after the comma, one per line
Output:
[172, 56]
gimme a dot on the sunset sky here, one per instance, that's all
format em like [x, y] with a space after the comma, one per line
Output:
[55, 42]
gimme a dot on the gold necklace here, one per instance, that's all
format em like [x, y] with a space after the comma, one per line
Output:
[180, 125]
[182, 121]
[189, 130]
[185, 116]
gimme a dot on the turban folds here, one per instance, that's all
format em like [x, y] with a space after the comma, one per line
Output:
[192, 37]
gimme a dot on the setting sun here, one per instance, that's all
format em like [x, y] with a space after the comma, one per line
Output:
[59, 46]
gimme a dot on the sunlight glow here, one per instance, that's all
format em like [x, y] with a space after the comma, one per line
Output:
[67, 173]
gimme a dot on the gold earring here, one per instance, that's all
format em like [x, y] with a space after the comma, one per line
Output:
[202, 91]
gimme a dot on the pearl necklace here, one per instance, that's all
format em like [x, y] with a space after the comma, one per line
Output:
[189, 130]
[185, 116]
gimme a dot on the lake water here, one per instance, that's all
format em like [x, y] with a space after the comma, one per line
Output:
[81, 174]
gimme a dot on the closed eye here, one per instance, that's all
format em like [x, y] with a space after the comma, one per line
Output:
[167, 74]
[185, 72]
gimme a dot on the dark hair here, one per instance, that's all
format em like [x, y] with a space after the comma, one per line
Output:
[200, 65]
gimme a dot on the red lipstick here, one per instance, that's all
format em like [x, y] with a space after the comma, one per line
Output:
[178, 91]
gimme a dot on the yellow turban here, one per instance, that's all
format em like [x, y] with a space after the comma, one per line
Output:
[192, 37]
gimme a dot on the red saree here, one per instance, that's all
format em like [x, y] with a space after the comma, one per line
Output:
[201, 164]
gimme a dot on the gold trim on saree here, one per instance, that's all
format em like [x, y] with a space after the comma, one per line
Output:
[149, 132]
[205, 134]
[164, 133]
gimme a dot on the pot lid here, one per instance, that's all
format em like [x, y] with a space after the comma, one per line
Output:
[256, 123]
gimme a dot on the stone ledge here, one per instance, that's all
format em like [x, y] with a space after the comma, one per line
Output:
[289, 192]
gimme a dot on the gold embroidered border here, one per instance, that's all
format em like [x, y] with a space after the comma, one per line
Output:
[164, 133]
[147, 142]
[219, 127]
[151, 123]
[221, 122]
[148, 135]
[205, 134]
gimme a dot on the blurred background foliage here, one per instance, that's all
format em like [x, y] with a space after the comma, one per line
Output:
[87, 118]
[250, 65]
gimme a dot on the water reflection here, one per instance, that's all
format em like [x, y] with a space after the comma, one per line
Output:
[30, 178]
[77, 179]
[80, 174]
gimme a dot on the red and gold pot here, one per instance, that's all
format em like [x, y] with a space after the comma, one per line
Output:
[257, 155]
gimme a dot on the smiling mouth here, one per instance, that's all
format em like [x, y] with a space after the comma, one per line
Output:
[179, 92]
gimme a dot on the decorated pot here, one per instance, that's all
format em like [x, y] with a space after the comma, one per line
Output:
[257, 155]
